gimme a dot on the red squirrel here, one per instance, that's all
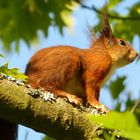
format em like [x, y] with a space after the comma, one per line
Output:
[78, 74]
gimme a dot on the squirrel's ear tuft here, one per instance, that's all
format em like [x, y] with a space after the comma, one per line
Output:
[106, 31]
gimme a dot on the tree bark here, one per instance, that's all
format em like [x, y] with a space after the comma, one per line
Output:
[58, 119]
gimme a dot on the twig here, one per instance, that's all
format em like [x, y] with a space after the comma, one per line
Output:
[93, 8]
[137, 103]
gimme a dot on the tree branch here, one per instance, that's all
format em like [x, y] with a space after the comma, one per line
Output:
[136, 105]
[93, 8]
[58, 119]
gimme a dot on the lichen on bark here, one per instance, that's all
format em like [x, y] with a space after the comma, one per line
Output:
[58, 119]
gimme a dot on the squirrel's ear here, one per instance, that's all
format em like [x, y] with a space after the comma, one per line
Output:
[106, 31]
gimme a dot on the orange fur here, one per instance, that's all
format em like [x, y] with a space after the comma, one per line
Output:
[78, 74]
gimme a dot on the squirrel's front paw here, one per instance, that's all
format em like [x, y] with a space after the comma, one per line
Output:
[74, 99]
[100, 107]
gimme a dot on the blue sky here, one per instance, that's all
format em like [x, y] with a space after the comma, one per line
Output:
[79, 39]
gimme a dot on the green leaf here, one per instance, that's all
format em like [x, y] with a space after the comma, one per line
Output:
[137, 113]
[117, 86]
[21, 20]
[1, 55]
[126, 123]
[47, 138]
[113, 3]
[14, 72]
[132, 28]
[129, 102]
[131, 19]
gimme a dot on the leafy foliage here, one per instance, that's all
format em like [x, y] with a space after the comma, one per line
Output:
[113, 3]
[126, 124]
[1, 55]
[117, 86]
[14, 72]
[132, 28]
[23, 19]
[118, 20]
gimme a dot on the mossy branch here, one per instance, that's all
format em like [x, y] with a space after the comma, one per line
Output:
[58, 119]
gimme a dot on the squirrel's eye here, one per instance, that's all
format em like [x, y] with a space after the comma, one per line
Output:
[122, 43]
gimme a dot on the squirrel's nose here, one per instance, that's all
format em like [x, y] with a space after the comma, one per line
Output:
[137, 54]
[133, 55]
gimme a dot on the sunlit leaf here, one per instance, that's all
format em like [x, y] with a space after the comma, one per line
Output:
[14, 72]
[68, 19]
[23, 19]
[113, 3]
[126, 123]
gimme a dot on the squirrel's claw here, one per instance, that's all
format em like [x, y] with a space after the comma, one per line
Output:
[74, 99]
[100, 107]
